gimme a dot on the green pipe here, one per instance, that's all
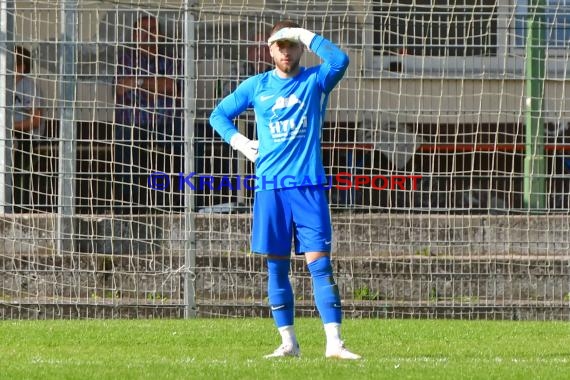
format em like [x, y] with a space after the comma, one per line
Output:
[534, 161]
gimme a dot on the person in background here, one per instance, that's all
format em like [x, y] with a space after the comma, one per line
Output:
[148, 119]
[258, 61]
[28, 126]
[258, 56]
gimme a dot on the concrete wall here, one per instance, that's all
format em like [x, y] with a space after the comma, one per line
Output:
[504, 267]
[375, 235]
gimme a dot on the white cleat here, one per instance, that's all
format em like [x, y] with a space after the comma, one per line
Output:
[285, 350]
[340, 352]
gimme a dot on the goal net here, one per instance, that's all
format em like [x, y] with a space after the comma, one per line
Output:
[445, 145]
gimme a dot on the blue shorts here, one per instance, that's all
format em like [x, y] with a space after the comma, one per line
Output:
[282, 214]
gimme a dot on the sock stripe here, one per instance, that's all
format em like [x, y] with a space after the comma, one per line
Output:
[280, 292]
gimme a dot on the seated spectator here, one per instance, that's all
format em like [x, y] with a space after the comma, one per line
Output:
[258, 56]
[148, 120]
[258, 61]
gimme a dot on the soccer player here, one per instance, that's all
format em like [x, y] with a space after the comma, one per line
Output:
[290, 200]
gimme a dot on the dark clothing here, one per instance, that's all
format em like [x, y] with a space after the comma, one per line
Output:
[149, 133]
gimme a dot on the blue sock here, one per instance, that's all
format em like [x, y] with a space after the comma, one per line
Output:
[325, 290]
[280, 292]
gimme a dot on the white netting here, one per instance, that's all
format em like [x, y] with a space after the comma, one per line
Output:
[434, 102]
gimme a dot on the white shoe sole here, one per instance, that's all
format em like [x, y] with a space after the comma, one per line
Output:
[343, 355]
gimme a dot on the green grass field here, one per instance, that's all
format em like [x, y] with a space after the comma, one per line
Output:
[234, 349]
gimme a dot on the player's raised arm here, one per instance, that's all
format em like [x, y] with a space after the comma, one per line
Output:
[335, 60]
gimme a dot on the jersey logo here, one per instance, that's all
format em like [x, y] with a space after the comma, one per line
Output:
[282, 102]
[288, 129]
[265, 97]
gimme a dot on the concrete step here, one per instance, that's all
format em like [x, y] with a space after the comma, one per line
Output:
[124, 308]
[428, 285]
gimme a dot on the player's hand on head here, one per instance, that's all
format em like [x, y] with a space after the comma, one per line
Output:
[296, 35]
[288, 34]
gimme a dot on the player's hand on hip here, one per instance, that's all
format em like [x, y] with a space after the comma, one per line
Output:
[247, 147]
[296, 35]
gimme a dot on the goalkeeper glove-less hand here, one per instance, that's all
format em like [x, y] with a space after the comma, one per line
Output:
[295, 35]
[246, 146]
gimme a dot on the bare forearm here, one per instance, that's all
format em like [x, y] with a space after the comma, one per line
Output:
[125, 84]
[28, 124]
[158, 85]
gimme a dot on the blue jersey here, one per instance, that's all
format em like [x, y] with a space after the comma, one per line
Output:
[289, 115]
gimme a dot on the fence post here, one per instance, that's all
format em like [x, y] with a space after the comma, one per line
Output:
[6, 102]
[189, 195]
[534, 161]
[67, 143]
